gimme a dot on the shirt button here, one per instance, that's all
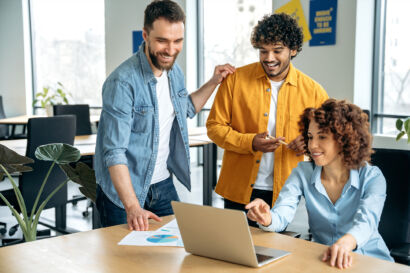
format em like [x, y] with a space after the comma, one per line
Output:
[252, 185]
[266, 114]
[257, 161]
[267, 90]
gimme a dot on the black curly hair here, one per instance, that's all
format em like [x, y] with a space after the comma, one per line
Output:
[275, 28]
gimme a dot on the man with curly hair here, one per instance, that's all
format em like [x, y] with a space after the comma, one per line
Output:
[256, 109]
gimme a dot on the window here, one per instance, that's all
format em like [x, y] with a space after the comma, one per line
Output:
[391, 99]
[68, 47]
[227, 28]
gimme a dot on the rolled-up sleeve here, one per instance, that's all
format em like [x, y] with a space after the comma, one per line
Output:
[285, 206]
[367, 217]
[190, 108]
[116, 121]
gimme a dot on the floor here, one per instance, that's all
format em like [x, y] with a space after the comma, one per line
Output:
[75, 218]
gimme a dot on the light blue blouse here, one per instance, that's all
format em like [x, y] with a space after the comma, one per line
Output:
[356, 212]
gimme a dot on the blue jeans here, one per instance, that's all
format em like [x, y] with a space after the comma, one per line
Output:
[158, 201]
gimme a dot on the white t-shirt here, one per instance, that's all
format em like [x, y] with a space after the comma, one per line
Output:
[166, 117]
[264, 179]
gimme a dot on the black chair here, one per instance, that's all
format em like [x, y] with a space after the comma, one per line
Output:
[4, 129]
[395, 220]
[82, 113]
[42, 131]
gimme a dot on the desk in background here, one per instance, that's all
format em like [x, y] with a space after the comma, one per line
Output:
[23, 120]
[98, 251]
[197, 138]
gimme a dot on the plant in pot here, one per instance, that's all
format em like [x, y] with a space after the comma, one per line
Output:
[57, 153]
[404, 129]
[51, 95]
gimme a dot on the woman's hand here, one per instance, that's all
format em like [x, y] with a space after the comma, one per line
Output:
[259, 211]
[340, 253]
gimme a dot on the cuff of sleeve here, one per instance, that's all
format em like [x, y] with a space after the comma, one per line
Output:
[248, 139]
[115, 159]
[191, 108]
[360, 239]
[270, 228]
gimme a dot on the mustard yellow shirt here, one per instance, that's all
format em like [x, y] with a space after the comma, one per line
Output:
[241, 110]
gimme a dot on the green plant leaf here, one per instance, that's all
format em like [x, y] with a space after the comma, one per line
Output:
[84, 176]
[60, 153]
[407, 125]
[399, 136]
[399, 124]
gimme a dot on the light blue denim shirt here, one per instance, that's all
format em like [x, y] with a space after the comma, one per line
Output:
[356, 212]
[128, 132]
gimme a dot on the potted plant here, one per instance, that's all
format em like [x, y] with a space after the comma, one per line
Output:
[404, 129]
[57, 153]
[51, 95]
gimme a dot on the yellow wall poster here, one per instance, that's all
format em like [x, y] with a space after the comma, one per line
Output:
[294, 9]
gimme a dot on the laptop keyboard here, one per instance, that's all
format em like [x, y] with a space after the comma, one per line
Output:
[261, 258]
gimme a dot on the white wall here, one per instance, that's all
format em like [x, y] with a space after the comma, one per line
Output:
[12, 70]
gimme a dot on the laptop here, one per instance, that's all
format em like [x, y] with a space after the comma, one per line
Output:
[221, 234]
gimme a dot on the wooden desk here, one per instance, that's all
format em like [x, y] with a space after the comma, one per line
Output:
[197, 138]
[98, 251]
[23, 120]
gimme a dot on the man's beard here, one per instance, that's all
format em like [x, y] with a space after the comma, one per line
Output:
[156, 63]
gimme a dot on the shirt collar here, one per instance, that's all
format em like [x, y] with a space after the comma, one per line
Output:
[291, 78]
[353, 177]
[147, 73]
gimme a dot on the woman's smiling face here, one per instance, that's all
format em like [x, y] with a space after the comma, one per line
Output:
[322, 146]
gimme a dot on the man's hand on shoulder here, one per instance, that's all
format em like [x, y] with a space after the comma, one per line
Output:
[221, 72]
[137, 218]
[266, 145]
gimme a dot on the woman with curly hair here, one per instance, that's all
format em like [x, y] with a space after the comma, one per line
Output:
[344, 194]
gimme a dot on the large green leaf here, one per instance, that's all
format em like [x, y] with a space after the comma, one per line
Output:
[84, 176]
[60, 153]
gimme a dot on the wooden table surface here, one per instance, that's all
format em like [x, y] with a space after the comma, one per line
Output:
[98, 251]
[23, 119]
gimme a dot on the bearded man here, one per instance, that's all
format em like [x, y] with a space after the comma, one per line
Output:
[142, 136]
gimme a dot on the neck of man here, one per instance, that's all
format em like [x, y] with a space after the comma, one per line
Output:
[157, 72]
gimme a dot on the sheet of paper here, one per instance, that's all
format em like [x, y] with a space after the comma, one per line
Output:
[167, 235]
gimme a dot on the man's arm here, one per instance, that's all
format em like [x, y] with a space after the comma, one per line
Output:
[137, 217]
[201, 96]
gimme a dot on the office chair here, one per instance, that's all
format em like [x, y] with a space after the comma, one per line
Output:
[394, 224]
[4, 129]
[42, 131]
[82, 113]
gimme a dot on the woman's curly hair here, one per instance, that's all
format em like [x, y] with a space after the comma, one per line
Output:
[278, 28]
[349, 126]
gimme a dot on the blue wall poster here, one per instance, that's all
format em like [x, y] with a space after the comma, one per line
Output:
[136, 40]
[322, 22]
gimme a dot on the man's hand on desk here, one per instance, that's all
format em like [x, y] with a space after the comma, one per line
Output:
[259, 211]
[137, 218]
[340, 253]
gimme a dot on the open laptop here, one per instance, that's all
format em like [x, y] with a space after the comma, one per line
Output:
[221, 234]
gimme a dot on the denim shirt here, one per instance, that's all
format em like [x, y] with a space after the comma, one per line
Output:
[357, 211]
[128, 132]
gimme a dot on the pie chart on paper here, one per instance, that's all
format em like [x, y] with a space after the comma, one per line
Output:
[162, 238]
